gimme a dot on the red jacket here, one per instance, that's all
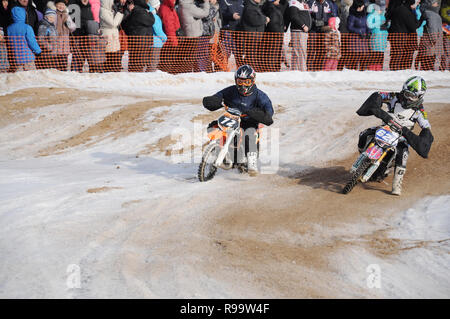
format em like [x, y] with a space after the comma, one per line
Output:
[170, 21]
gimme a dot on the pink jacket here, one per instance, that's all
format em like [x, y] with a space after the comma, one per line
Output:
[95, 7]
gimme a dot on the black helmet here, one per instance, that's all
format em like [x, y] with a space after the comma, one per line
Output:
[413, 91]
[245, 79]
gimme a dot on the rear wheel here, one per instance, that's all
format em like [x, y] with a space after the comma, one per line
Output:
[355, 177]
[206, 169]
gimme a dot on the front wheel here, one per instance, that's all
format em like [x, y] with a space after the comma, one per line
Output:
[206, 169]
[355, 177]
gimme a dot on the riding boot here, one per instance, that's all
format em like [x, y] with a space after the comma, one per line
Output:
[252, 163]
[397, 181]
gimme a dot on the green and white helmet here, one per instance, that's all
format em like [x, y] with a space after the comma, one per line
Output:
[413, 91]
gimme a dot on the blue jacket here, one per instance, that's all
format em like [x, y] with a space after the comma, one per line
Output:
[418, 15]
[378, 37]
[258, 99]
[357, 27]
[159, 37]
[22, 38]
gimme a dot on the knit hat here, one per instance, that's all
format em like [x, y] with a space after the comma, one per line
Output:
[58, 1]
[333, 22]
[50, 12]
[155, 3]
[358, 3]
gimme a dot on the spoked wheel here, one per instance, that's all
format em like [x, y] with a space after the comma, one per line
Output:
[206, 169]
[355, 177]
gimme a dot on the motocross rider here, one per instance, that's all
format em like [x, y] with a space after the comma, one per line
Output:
[405, 108]
[253, 103]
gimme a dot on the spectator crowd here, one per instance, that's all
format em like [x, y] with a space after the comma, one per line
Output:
[201, 35]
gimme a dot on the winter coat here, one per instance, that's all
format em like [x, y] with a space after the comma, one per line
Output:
[140, 21]
[109, 25]
[170, 21]
[418, 15]
[21, 37]
[4, 64]
[297, 15]
[320, 13]
[253, 19]
[227, 8]
[85, 16]
[159, 37]
[191, 17]
[427, 5]
[32, 18]
[403, 20]
[64, 25]
[275, 14]
[47, 37]
[343, 14]
[5, 18]
[378, 37]
[258, 99]
[359, 32]
[95, 8]
[212, 23]
[332, 44]
[431, 42]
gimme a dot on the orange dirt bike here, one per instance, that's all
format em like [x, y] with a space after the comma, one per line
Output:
[226, 140]
[377, 159]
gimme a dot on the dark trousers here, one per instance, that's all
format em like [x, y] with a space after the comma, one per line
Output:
[402, 51]
[113, 62]
[316, 52]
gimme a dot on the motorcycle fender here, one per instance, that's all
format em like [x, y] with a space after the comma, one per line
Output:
[216, 134]
[374, 152]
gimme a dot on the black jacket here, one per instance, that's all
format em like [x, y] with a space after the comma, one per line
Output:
[5, 18]
[275, 14]
[297, 18]
[403, 20]
[253, 19]
[85, 15]
[139, 21]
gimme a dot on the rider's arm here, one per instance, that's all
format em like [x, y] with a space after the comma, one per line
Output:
[263, 112]
[212, 103]
[420, 143]
[372, 106]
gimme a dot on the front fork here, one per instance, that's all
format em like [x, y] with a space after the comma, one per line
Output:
[224, 151]
[372, 168]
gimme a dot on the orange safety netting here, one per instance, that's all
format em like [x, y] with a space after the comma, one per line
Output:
[266, 52]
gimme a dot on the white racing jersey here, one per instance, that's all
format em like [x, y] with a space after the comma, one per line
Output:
[405, 117]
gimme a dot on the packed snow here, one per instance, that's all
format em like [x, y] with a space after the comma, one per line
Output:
[88, 204]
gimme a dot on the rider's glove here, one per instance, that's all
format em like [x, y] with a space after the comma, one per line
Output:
[212, 103]
[260, 116]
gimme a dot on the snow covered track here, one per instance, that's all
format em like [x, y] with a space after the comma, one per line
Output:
[86, 179]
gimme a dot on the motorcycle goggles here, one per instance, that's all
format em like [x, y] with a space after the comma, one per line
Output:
[244, 82]
[412, 96]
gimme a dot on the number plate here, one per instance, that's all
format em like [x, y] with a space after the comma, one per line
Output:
[384, 136]
[228, 122]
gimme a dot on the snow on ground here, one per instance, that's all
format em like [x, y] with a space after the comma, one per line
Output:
[420, 270]
[85, 205]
